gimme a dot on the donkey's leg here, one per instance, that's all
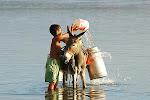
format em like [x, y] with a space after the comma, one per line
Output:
[74, 78]
[77, 77]
[65, 77]
[78, 73]
[82, 74]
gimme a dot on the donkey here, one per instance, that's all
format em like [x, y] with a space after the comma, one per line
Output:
[74, 55]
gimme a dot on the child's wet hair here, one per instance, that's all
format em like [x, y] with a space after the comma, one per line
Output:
[53, 28]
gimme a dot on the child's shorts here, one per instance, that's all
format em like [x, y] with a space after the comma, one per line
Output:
[52, 70]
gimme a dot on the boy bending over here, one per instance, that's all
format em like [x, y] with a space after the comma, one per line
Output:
[52, 65]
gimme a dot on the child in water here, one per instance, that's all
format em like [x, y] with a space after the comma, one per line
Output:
[52, 65]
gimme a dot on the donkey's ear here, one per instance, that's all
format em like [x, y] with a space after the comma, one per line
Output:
[80, 35]
[70, 34]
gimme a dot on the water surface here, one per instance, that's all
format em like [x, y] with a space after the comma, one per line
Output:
[120, 29]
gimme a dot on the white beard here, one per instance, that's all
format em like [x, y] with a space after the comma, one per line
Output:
[67, 57]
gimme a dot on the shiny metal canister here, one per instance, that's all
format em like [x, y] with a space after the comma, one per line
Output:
[96, 67]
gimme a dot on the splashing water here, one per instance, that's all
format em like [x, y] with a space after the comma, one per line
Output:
[101, 82]
[106, 56]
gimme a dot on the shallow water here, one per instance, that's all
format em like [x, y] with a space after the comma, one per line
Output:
[120, 29]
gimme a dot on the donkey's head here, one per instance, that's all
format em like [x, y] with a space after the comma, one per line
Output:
[73, 46]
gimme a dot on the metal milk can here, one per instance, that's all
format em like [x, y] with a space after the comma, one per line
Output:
[96, 66]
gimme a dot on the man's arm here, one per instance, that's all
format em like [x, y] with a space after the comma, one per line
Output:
[64, 37]
[73, 29]
[61, 38]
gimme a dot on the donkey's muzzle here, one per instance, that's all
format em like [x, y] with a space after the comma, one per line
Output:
[67, 57]
[64, 59]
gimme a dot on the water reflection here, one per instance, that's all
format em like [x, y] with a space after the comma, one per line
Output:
[96, 94]
[51, 95]
[67, 93]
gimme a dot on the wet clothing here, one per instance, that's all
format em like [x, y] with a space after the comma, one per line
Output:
[52, 70]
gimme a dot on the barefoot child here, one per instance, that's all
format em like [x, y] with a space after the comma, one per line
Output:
[52, 65]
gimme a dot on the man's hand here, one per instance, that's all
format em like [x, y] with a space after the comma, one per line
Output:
[74, 28]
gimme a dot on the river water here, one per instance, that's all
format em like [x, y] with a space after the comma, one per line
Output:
[119, 28]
